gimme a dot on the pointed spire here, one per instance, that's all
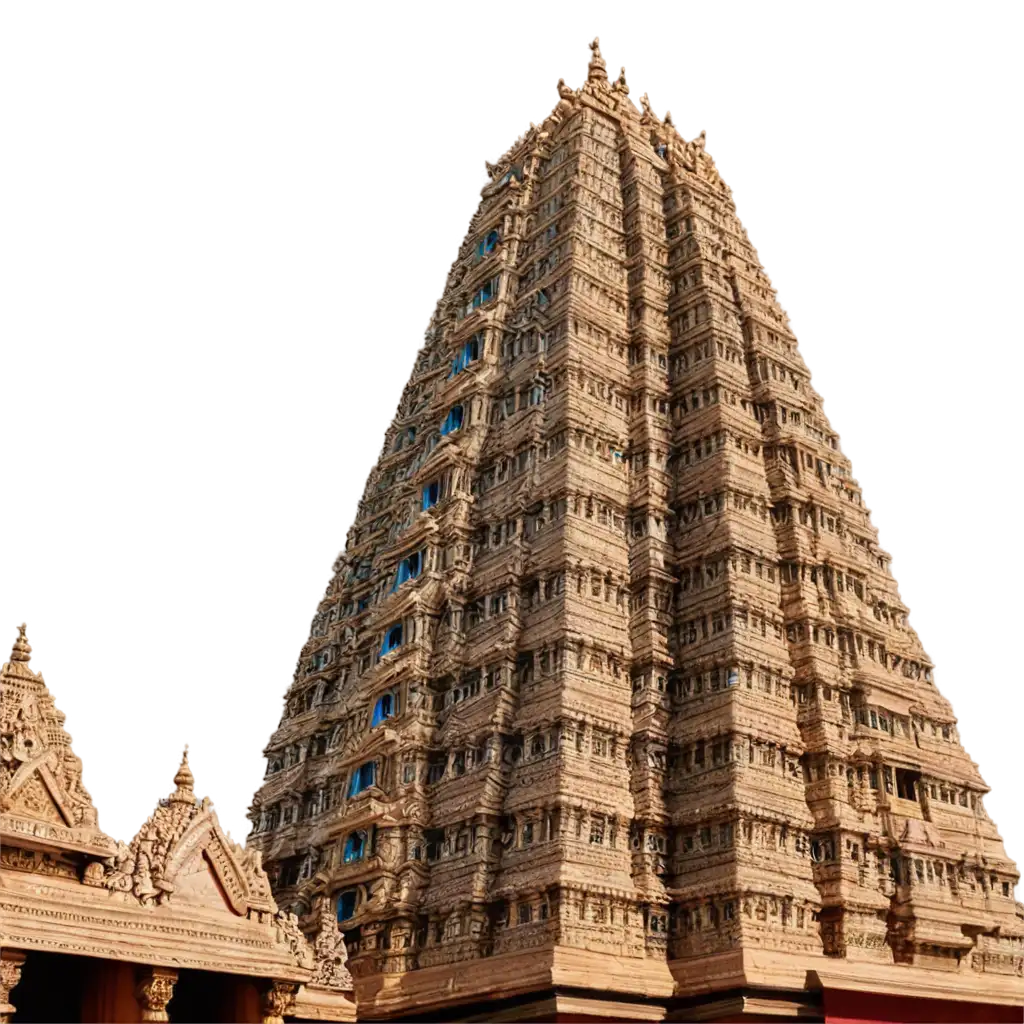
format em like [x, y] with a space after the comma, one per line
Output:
[21, 651]
[596, 71]
[620, 85]
[184, 781]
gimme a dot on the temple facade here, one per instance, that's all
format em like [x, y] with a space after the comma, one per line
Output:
[611, 707]
[178, 925]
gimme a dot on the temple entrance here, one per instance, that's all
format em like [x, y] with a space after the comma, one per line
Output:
[51, 987]
[206, 996]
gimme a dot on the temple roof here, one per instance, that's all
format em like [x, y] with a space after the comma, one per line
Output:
[182, 893]
[42, 799]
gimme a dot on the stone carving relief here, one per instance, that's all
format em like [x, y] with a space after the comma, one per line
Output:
[154, 991]
[181, 829]
[330, 956]
[608, 622]
[40, 776]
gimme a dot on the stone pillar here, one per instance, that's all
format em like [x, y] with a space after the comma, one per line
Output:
[11, 962]
[278, 1000]
[153, 992]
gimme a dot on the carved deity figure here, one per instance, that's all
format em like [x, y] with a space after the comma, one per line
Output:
[330, 956]
[78, 796]
[290, 933]
[20, 738]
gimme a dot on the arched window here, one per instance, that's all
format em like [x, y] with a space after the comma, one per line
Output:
[347, 904]
[355, 846]
[487, 245]
[469, 353]
[385, 708]
[363, 777]
[453, 421]
[392, 639]
[431, 494]
[408, 569]
[484, 295]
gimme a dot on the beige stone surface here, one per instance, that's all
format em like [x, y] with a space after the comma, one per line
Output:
[650, 714]
[180, 895]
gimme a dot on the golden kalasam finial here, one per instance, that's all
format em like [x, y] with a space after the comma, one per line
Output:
[21, 651]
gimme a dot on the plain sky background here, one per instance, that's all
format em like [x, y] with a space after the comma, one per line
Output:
[224, 227]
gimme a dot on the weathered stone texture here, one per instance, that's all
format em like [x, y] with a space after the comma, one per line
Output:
[613, 628]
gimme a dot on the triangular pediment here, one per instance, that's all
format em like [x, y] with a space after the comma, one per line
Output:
[40, 776]
[197, 882]
[202, 850]
[181, 853]
[33, 799]
[35, 785]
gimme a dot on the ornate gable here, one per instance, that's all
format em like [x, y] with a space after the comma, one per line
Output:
[181, 894]
[42, 799]
[181, 850]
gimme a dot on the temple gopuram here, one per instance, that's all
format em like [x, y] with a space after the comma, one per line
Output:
[611, 709]
[178, 925]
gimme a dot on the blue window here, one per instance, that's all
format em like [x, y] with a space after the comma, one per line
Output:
[408, 569]
[431, 494]
[363, 777]
[392, 639]
[486, 293]
[346, 904]
[355, 846]
[470, 353]
[487, 245]
[453, 421]
[385, 708]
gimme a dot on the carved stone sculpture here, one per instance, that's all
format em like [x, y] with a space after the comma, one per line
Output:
[277, 1001]
[614, 619]
[11, 963]
[154, 991]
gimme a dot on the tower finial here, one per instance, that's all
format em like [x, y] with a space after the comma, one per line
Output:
[184, 781]
[620, 85]
[597, 69]
[21, 651]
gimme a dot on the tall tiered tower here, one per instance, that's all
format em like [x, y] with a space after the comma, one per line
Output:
[611, 703]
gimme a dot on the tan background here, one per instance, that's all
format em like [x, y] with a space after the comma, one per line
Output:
[223, 237]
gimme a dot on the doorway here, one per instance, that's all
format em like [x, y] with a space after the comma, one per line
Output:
[203, 996]
[51, 987]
